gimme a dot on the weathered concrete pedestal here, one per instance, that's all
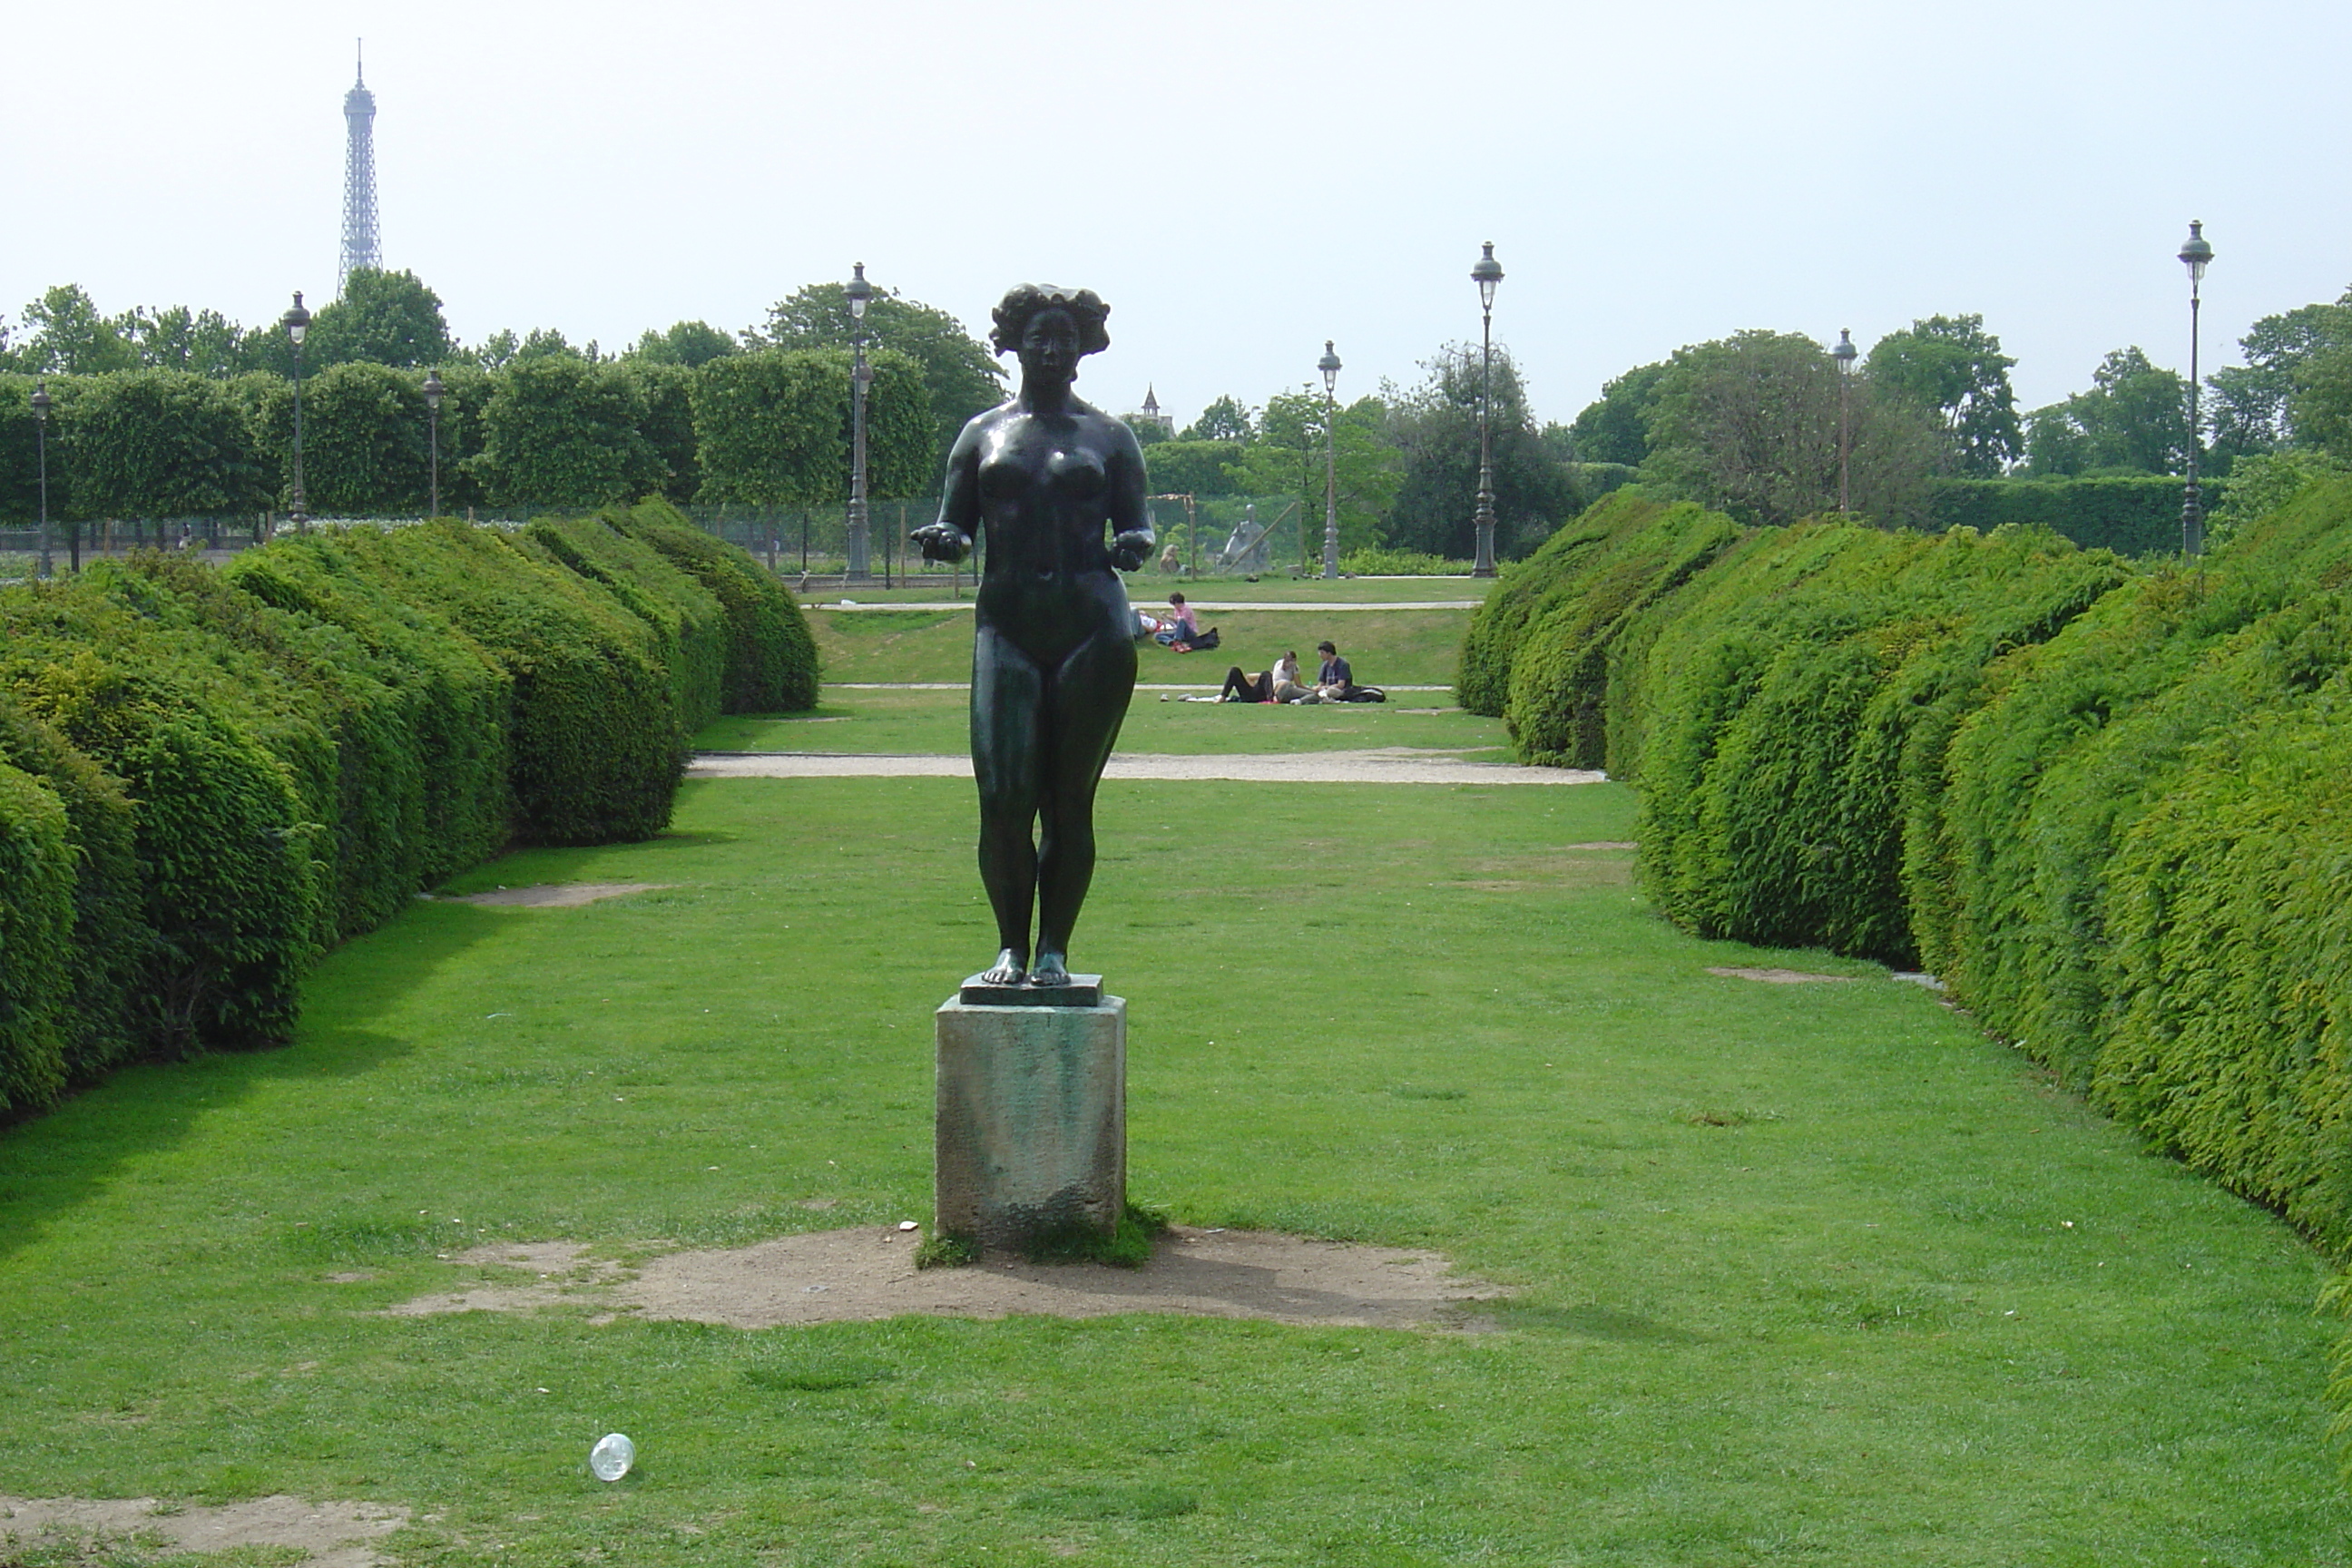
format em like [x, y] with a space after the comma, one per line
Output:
[1031, 1126]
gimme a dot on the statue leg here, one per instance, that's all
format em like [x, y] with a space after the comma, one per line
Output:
[1008, 738]
[1089, 699]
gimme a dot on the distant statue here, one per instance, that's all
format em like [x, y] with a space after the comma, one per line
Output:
[1058, 486]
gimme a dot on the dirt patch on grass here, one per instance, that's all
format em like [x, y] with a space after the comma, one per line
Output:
[867, 1275]
[559, 895]
[1778, 976]
[335, 1534]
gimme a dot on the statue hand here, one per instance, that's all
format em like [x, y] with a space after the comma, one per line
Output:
[1130, 551]
[942, 541]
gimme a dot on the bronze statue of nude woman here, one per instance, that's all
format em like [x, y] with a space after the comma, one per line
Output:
[1052, 656]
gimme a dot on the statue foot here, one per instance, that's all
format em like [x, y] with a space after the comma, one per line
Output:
[1050, 971]
[1008, 970]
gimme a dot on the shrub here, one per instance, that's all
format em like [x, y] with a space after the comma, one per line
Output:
[2129, 514]
[688, 624]
[1369, 561]
[37, 888]
[597, 749]
[771, 665]
[1524, 590]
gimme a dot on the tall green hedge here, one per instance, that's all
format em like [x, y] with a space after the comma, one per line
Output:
[208, 777]
[598, 748]
[2129, 514]
[771, 663]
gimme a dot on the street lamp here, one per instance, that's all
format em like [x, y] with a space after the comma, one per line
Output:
[296, 322]
[433, 390]
[1485, 273]
[861, 293]
[1329, 365]
[41, 403]
[2196, 253]
[1843, 353]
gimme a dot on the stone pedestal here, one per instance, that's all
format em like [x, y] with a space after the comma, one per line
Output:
[1031, 1128]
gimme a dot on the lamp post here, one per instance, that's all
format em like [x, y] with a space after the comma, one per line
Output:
[1329, 365]
[1485, 273]
[2196, 253]
[41, 403]
[296, 322]
[432, 391]
[1843, 353]
[861, 293]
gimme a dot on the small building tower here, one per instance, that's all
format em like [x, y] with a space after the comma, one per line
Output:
[362, 245]
[1149, 413]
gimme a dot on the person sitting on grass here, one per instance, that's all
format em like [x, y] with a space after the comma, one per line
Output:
[1334, 680]
[1183, 629]
[1267, 687]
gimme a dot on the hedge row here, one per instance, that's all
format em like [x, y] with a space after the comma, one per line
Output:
[208, 777]
[2107, 802]
[2131, 515]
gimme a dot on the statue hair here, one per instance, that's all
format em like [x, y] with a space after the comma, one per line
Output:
[1024, 301]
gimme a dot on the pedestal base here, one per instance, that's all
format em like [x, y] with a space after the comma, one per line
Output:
[1031, 1123]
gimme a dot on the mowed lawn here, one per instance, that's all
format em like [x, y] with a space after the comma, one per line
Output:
[1385, 648]
[1809, 1274]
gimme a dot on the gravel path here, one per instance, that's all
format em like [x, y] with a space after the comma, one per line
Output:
[1396, 765]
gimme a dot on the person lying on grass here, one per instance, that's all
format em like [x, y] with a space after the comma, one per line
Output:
[1279, 684]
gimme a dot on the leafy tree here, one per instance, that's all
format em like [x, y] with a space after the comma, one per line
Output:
[1224, 420]
[1616, 428]
[1435, 427]
[562, 431]
[2319, 410]
[961, 377]
[1287, 460]
[156, 444]
[668, 391]
[499, 350]
[687, 343]
[364, 441]
[2133, 420]
[63, 334]
[548, 342]
[774, 428]
[2249, 410]
[1185, 466]
[1750, 425]
[1147, 431]
[383, 318]
[1951, 364]
[203, 343]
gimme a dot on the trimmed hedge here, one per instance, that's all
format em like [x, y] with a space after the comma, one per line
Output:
[2129, 514]
[2107, 803]
[771, 665]
[206, 777]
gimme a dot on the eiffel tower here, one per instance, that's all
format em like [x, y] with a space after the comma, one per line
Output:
[362, 246]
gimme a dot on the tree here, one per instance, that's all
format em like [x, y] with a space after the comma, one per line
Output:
[687, 343]
[668, 391]
[1616, 428]
[2319, 410]
[1435, 427]
[1287, 460]
[383, 318]
[1224, 420]
[203, 343]
[961, 377]
[2250, 409]
[65, 335]
[1190, 467]
[1750, 425]
[158, 444]
[2133, 420]
[562, 431]
[774, 428]
[1952, 365]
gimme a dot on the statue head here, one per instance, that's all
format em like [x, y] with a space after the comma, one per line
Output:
[1024, 302]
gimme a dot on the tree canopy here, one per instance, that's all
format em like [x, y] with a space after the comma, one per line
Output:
[1952, 365]
[1435, 427]
[2133, 420]
[383, 318]
[960, 376]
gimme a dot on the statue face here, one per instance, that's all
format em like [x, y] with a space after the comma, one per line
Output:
[1049, 346]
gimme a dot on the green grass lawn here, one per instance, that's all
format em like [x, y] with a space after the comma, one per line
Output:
[1385, 648]
[1151, 588]
[938, 721]
[1800, 1274]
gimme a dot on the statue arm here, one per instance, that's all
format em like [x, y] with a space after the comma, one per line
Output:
[950, 538]
[1131, 517]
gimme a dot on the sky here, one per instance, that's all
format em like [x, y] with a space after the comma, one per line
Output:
[1241, 181]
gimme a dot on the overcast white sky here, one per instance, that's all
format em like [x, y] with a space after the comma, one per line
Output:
[1240, 181]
